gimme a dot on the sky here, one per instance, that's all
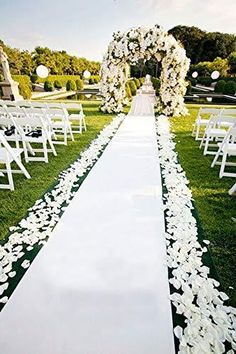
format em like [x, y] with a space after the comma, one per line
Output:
[84, 27]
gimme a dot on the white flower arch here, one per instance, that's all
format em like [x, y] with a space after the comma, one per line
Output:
[141, 43]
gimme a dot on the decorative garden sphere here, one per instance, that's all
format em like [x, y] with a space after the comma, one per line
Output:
[215, 74]
[86, 74]
[42, 71]
[195, 74]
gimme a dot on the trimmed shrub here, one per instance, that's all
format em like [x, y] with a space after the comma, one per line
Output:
[230, 88]
[34, 78]
[70, 85]
[137, 82]
[141, 80]
[156, 84]
[204, 81]
[133, 87]
[57, 84]
[193, 81]
[127, 90]
[62, 78]
[48, 86]
[79, 84]
[25, 87]
[220, 86]
[189, 87]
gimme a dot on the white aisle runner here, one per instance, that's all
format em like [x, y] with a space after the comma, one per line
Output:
[100, 285]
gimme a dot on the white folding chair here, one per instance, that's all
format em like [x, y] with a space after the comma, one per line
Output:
[215, 132]
[77, 120]
[232, 189]
[33, 129]
[59, 123]
[226, 148]
[7, 156]
[204, 114]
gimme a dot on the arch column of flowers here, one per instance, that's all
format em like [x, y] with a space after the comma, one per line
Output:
[141, 43]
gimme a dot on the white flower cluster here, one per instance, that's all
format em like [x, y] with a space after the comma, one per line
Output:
[208, 322]
[141, 43]
[44, 215]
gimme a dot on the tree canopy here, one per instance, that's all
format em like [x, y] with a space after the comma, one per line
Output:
[58, 62]
[203, 46]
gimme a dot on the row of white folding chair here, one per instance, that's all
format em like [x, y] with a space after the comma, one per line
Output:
[215, 132]
[7, 156]
[26, 122]
[226, 148]
[57, 120]
[204, 114]
[77, 120]
[69, 127]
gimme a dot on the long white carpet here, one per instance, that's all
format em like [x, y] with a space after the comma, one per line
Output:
[100, 285]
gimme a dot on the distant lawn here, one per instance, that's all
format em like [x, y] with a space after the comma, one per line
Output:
[15, 204]
[214, 206]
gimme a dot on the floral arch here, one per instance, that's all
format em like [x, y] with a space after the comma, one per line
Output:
[141, 43]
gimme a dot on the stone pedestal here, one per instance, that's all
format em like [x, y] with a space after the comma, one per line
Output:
[10, 91]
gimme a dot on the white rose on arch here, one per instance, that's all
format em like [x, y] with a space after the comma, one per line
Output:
[153, 42]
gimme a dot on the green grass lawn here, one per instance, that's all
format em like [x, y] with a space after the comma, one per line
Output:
[214, 206]
[15, 204]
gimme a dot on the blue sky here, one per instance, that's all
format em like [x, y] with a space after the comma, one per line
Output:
[85, 27]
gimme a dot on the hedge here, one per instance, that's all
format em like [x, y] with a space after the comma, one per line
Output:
[133, 87]
[25, 87]
[70, 85]
[57, 84]
[62, 78]
[137, 82]
[220, 86]
[230, 88]
[94, 79]
[156, 84]
[48, 86]
[79, 84]
[127, 90]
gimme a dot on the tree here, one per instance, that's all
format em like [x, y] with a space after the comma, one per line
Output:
[232, 63]
[203, 46]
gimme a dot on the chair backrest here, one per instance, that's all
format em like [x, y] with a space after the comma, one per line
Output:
[207, 113]
[29, 120]
[36, 104]
[14, 111]
[229, 112]
[5, 121]
[74, 105]
[5, 144]
[54, 105]
[8, 103]
[227, 119]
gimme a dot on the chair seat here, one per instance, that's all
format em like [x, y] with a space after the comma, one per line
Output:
[202, 121]
[4, 155]
[216, 132]
[230, 149]
[58, 124]
[75, 116]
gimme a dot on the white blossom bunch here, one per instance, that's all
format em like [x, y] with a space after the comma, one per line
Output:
[141, 43]
[209, 324]
[44, 215]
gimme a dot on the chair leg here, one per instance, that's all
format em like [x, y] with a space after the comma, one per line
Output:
[206, 145]
[197, 132]
[9, 176]
[222, 167]
[71, 133]
[45, 151]
[85, 126]
[25, 151]
[216, 157]
[52, 147]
